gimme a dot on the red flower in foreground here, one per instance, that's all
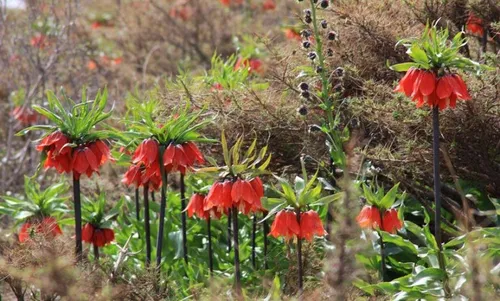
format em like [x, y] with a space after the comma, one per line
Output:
[391, 222]
[99, 237]
[146, 153]
[48, 227]
[25, 115]
[182, 157]
[245, 196]
[253, 65]
[87, 159]
[451, 87]
[219, 196]
[285, 225]
[133, 176]
[58, 154]
[424, 88]
[475, 25]
[196, 207]
[269, 5]
[310, 225]
[54, 142]
[369, 217]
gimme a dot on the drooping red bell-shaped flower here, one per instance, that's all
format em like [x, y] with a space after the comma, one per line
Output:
[285, 225]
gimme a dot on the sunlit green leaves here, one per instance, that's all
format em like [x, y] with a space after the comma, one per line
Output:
[36, 202]
[78, 121]
[434, 50]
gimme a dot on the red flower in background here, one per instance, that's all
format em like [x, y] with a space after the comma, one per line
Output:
[216, 87]
[181, 11]
[47, 226]
[310, 225]
[182, 157]
[269, 5]
[39, 41]
[369, 217]
[228, 2]
[291, 34]
[253, 65]
[424, 88]
[99, 237]
[475, 25]
[25, 115]
[391, 222]
[285, 225]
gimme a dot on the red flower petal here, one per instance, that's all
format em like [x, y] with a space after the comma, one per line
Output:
[427, 83]
[109, 235]
[87, 233]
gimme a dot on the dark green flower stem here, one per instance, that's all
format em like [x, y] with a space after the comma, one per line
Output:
[254, 232]
[163, 207]
[299, 256]
[137, 206]
[147, 225]
[96, 253]
[210, 253]
[78, 219]
[237, 272]
[266, 231]
[183, 218]
[382, 253]
[229, 231]
[437, 194]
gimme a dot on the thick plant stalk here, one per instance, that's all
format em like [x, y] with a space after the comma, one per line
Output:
[78, 219]
[437, 183]
[183, 218]
[147, 225]
[210, 254]
[382, 255]
[163, 206]
[299, 256]
[437, 196]
[153, 196]
[96, 253]
[266, 231]
[254, 233]
[229, 231]
[137, 206]
[237, 272]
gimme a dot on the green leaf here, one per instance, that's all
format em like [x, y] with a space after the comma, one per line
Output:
[403, 67]
[418, 55]
[389, 199]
